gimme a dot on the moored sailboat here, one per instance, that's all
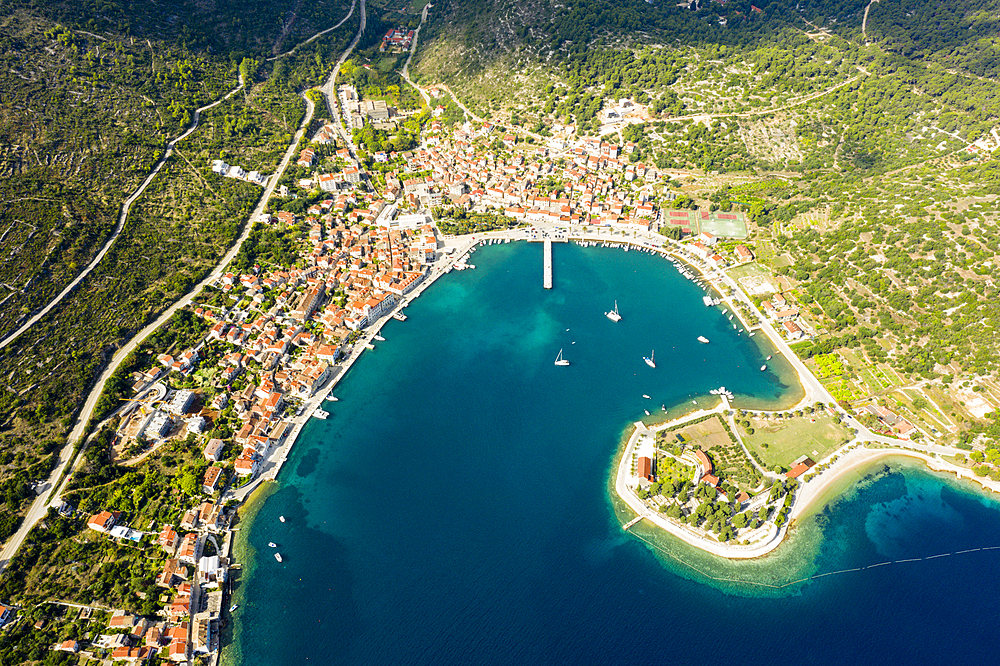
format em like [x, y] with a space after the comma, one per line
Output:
[613, 315]
[560, 360]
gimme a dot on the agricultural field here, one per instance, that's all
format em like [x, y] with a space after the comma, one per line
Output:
[923, 413]
[836, 377]
[873, 378]
[779, 441]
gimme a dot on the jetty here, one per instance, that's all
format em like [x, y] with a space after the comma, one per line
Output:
[547, 278]
[632, 522]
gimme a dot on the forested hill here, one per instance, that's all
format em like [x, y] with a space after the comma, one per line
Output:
[220, 27]
[551, 28]
[962, 34]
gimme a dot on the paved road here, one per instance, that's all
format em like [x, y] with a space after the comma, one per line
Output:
[317, 35]
[413, 49]
[122, 217]
[329, 88]
[49, 498]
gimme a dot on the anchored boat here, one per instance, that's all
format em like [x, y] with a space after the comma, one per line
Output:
[613, 315]
[560, 360]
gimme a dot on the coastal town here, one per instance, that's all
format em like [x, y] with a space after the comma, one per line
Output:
[347, 242]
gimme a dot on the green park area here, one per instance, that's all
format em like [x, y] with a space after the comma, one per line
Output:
[779, 441]
[672, 470]
[712, 436]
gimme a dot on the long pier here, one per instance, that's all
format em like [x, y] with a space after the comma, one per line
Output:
[547, 279]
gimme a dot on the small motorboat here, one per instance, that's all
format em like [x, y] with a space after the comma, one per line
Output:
[272, 544]
[277, 556]
[281, 518]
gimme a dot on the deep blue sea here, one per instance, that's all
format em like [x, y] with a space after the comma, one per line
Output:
[456, 506]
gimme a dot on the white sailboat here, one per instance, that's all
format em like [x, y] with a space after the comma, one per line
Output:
[650, 361]
[560, 360]
[613, 315]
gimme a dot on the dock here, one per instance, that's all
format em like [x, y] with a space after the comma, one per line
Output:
[547, 278]
[632, 522]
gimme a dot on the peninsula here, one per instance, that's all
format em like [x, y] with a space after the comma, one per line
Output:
[747, 512]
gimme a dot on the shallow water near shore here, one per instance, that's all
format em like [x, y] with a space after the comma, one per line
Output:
[455, 508]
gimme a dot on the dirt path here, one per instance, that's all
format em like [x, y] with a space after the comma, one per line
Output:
[864, 21]
[763, 112]
[318, 34]
[122, 218]
[52, 496]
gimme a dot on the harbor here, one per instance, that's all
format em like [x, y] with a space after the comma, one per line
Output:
[457, 250]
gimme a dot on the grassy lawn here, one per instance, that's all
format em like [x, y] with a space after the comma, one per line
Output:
[788, 439]
[748, 270]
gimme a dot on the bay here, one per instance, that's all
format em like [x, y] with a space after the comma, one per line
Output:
[455, 508]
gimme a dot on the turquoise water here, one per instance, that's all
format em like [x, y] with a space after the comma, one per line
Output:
[455, 508]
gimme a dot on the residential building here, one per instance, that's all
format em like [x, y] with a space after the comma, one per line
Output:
[214, 449]
[213, 479]
[102, 522]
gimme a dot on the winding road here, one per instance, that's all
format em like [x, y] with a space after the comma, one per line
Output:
[122, 218]
[320, 33]
[329, 87]
[864, 21]
[50, 497]
[413, 49]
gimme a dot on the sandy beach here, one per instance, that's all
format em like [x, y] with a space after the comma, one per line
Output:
[812, 494]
